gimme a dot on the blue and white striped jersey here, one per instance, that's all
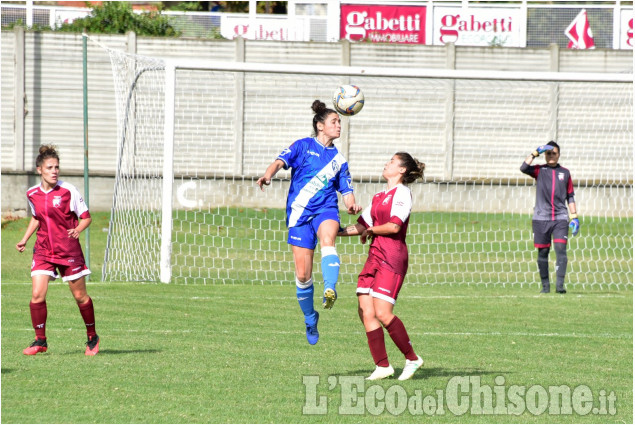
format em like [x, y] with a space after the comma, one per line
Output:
[317, 172]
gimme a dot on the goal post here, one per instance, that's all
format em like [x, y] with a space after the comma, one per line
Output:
[198, 134]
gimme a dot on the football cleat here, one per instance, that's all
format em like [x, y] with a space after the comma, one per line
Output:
[37, 346]
[92, 346]
[410, 368]
[312, 334]
[381, 372]
[561, 291]
[329, 298]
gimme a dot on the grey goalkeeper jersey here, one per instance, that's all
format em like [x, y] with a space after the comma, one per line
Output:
[554, 191]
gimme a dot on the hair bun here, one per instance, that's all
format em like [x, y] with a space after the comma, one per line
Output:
[318, 106]
[48, 150]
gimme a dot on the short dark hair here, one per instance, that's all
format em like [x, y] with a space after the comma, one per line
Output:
[555, 145]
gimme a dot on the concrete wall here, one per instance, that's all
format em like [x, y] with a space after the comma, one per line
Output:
[610, 200]
[42, 103]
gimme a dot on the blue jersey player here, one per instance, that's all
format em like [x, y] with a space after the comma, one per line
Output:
[318, 172]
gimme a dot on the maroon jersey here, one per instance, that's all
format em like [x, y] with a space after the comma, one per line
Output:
[57, 211]
[391, 206]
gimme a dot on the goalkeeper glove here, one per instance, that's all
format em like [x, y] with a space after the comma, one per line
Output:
[574, 224]
[541, 149]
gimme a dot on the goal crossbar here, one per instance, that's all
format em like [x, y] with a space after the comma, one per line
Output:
[351, 71]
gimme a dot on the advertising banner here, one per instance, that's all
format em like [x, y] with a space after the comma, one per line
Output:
[626, 33]
[498, 26]
[277, 29]
[383, 24]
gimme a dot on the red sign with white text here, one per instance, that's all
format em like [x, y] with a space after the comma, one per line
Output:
[383, 24]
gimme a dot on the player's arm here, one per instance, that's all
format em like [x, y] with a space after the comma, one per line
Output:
[385, 229]
[30, 229]
[270, 173]
[574, 224]
[535, 154]
[530, 158]
[351, 206]
[83, 224]
[352, 230]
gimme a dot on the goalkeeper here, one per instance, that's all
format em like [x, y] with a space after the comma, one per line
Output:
[554, 191]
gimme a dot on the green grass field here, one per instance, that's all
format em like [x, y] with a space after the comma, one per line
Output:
[238, 354]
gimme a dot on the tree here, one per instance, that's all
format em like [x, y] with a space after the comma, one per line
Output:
[114, 17]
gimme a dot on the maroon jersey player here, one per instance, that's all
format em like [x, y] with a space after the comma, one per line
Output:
[59, 214]
[385, 222]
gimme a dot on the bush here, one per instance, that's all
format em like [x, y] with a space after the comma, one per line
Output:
[113, 17]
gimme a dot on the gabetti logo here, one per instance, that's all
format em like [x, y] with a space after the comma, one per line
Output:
[453, 25]
[383, 24]
[260, 32]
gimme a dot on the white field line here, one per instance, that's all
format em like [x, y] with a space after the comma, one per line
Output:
[429, 334]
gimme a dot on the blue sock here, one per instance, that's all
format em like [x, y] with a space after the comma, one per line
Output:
[304, 292]
[330, 267]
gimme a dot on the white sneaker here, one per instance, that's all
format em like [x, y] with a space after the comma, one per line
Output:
[381, 373]
[410, 368]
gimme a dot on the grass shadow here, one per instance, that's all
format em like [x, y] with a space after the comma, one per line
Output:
[426, 373]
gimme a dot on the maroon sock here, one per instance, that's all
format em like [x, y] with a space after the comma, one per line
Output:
[88, 314]
[378, 347]
[38, 318]
[397, 332]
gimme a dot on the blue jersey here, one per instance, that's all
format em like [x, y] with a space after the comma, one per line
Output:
[317, 172]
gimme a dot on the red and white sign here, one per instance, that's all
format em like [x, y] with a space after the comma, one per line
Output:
[626, 33]
[383, 24]
[498, 26]
[277, 29]
[579, 32]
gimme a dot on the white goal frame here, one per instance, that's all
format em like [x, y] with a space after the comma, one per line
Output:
[172, 65]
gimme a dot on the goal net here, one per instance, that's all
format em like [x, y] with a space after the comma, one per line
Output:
[194, 138]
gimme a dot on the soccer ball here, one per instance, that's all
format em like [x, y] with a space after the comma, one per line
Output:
[348, 99]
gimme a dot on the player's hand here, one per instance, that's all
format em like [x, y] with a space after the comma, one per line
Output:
[73, 233]
[575, 226]
[263, 181]
[541, 149]
[354, 209]
[20, 246]
[366, 235]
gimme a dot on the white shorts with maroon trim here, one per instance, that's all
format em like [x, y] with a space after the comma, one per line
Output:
[71, 269]
[378, 281]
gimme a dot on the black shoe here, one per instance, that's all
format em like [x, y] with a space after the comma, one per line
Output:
[544, 291]
[561, 291]
[92, 346]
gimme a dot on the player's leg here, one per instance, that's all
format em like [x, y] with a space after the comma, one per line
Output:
[372, 326]
[77, 285]
[560, 236]
[384, 303]
[327, 232]
[543, 269]
[542, 241]
[38, 309]
[375, 337]
[303, 260]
